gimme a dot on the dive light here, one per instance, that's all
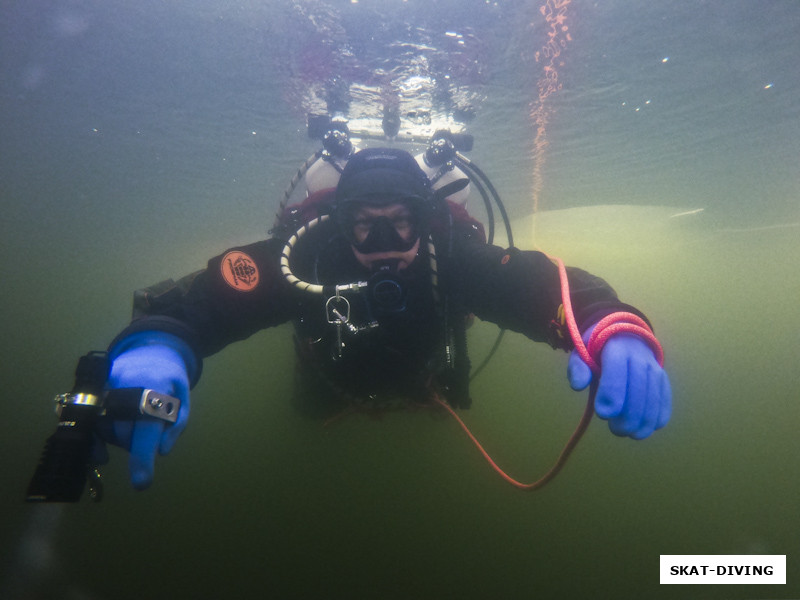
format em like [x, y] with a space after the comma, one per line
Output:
[66, 460]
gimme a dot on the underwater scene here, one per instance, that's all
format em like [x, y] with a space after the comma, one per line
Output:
[654, 144]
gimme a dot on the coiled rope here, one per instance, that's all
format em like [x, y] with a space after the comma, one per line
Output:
[619, 322]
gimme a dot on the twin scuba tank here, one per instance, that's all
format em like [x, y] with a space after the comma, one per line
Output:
[436, 161]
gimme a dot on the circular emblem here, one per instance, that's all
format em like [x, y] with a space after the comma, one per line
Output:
[239, 271]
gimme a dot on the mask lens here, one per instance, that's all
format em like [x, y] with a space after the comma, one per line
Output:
[381, 229]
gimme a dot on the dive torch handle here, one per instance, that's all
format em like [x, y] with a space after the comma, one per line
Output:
[64, 465]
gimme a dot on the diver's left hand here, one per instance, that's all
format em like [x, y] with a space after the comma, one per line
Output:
[634, 393]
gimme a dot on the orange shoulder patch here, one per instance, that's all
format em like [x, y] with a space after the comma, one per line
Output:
[239, 271]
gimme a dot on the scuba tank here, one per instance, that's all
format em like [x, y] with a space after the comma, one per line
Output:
[437, 161]
[336, 151]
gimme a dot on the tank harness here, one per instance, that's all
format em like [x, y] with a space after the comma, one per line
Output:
[452, 375]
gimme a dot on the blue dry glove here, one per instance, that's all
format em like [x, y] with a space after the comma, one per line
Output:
[161, 362]
[633, 394]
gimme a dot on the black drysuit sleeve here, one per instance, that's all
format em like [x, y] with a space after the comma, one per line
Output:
[239, 293]
[521, 291]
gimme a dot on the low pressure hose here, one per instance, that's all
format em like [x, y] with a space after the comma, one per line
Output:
[287, 250]
[315, 288]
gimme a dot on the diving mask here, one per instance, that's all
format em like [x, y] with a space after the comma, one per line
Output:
[374, 228]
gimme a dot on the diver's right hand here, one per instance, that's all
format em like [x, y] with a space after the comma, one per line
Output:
[161, 362]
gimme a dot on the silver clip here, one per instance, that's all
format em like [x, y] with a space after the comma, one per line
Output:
[160, 406]
[333, 313]
[339, 320]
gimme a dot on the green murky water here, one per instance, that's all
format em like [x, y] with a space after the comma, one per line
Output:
[130, 156]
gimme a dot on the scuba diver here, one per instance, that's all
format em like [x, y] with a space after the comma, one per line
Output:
[380, 276]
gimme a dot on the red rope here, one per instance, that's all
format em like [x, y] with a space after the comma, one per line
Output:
[562, 459]
[619, 322]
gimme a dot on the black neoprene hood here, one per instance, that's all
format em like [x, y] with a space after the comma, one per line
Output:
[382, 176]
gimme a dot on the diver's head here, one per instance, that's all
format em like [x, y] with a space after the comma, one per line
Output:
[382, 204]
[382, 235]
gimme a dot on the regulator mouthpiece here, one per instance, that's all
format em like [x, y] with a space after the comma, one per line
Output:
[387, 288]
